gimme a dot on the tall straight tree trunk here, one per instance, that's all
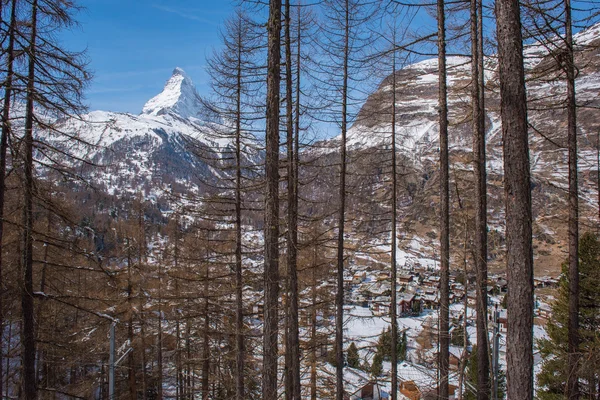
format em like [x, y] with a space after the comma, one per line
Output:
[205, 338]
[271, 271]
[478, 126]
[444, 338]
[313, 330]
[339, 298]
[293, 340]
[573, 324]
[394, 272]
[189, 384]
[239, 284]
[464, 354]
[178, 365]
[28, 330]
[41, 362]
[132, 379]
[143, 345]
[159, 338]
[3, 150]
[519, 253]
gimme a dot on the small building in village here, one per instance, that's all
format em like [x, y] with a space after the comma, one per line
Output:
[419, 383]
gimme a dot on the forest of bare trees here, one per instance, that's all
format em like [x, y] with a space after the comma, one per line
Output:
[245, 287]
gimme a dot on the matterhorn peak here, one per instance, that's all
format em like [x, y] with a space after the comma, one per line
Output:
[178, 97]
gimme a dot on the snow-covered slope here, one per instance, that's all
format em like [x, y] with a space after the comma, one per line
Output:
[150, 153]
[417, 138]
[179, 97]
[416, 104]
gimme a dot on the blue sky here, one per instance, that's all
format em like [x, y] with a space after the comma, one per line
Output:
[134, 45]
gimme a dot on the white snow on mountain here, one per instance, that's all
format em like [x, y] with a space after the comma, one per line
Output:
[179, 97]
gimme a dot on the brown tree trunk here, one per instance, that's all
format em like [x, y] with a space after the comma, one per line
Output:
[394, 269]
[271, 271]
[293, 340]
[205, 338]
[159, 338]
[444, 338]
[141, 250]
[28, 330]
[3, 150]
[41, 362]
[479, 168]
[519, 252]
[573, 324]
[339, 298]
[130, 334]
[313, 331]
[239, 283]
[464, 354]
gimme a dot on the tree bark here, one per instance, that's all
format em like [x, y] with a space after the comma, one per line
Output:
[205, 333]
[393, 266]
[239, 284]
[28, 330]
[130, 334]
[339, 298]
[293, 340]
[313, 330]
[271, 271]
[3, 150]
[479, 168]
[444, 338]
[519, 258]
[573, 324]
[159, 338]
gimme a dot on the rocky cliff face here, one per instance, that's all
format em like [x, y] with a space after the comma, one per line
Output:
[417, 144]
[168, 149]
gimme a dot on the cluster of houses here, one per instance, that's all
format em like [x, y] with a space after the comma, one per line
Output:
[414, 383]
[419, 290]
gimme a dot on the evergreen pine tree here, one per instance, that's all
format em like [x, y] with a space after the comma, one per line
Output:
[353, 358]
[403, 348]
[554, 350]
[470, 392]
[377, 366]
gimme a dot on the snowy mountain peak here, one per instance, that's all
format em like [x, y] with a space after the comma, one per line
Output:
[178, 97]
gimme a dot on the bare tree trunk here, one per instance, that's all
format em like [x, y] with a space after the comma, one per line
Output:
[189, 385]
[293, 342]
[339, 299]
[141, 250]
[573, 324]
[41, 363]
[464, 353]
[143, 347]
[28, 330]
[130, 335]
[443, 361]
[271, 271]
[239, 283]
[178, 364]
[7, 367]
[313, 331]
[519, 252]
[3, 150]
[159, 337]
[394, 272]
[479, 158]
[205, 339]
